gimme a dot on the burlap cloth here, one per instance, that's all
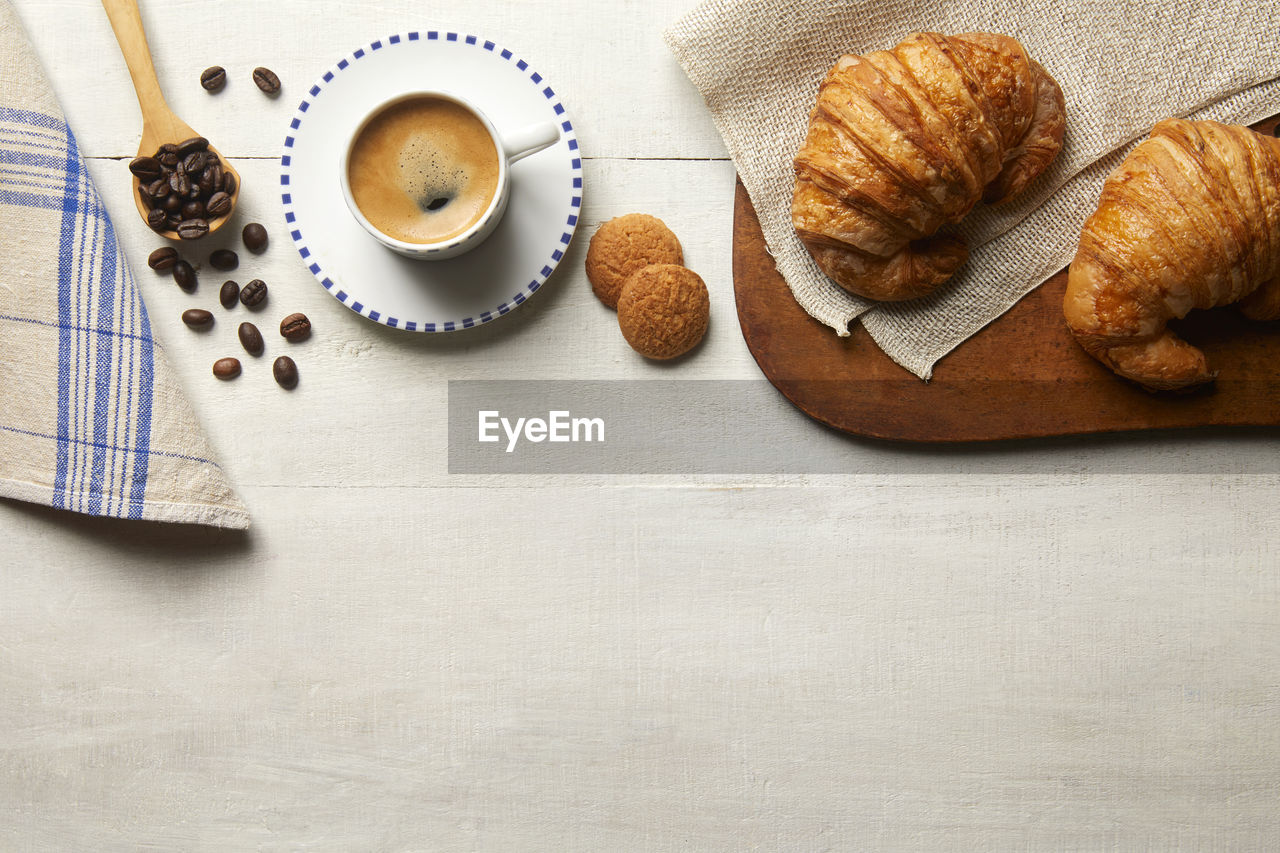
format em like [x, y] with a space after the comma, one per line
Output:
[1122, 67]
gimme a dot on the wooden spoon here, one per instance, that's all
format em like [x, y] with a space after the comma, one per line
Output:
[159, 124]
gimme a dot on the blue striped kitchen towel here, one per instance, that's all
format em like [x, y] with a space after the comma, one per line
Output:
[91, 418]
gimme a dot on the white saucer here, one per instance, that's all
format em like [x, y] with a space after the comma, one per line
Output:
[430, 296]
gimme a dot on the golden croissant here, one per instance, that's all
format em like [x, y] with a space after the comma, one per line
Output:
[1190, 219]
[905, 141]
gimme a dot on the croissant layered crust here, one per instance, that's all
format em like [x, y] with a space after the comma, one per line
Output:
[903, 142]
[1190, 219]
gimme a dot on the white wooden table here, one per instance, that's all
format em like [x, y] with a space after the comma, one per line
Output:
[1060, 645]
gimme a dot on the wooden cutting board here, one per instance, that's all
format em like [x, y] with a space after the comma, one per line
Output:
[1023, 376]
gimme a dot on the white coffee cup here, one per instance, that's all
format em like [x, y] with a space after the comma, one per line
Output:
[510, 146]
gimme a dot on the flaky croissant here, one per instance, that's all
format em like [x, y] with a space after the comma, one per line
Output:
[1190, 219]
[905, 141]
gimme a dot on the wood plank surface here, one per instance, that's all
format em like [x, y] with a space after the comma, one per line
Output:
[929, 662]
[301, 39]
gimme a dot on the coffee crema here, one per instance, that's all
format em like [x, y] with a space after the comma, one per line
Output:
[424, 170]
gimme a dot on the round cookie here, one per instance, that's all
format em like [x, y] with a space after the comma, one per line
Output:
[663, 310]
[623, 245]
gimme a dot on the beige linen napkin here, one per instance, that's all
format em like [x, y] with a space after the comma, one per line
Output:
[91, 417]
[1122, 67]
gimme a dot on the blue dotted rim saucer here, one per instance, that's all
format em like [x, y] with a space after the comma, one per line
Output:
[332, 278]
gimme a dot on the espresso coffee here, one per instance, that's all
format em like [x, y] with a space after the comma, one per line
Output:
[424, 170]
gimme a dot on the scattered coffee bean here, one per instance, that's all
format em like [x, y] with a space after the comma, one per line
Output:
[253, 293]
[229, 295]
[255, 237]
[295, 327]
[163, 259]
[213, 78]
[184, 275]
[192, 229]
[250, 338]
[266, 80]
[197, 318]
[224, 260]
[226, 368]
[285, 372]
[147, 169]
[219, 204]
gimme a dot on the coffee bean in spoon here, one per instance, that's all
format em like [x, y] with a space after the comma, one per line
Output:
[224, 260]
[226, 368]
[168, 155]
[163, 259]
[254, 293]
[192, 229]
[184, 275]
[192, 187]
[147, 169]
[179, 185]
[250, 338]
[213, 78]
[266, 80]
[155, 191]
[255, 237]
[211, 179]
[192, 145]
[285, 372]
[219, 205]
[229, 295]
[197, 318]
[194, 163]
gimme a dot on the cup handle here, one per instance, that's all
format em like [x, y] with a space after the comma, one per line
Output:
[530, 139]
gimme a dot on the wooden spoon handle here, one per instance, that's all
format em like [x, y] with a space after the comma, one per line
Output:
[126, 21]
